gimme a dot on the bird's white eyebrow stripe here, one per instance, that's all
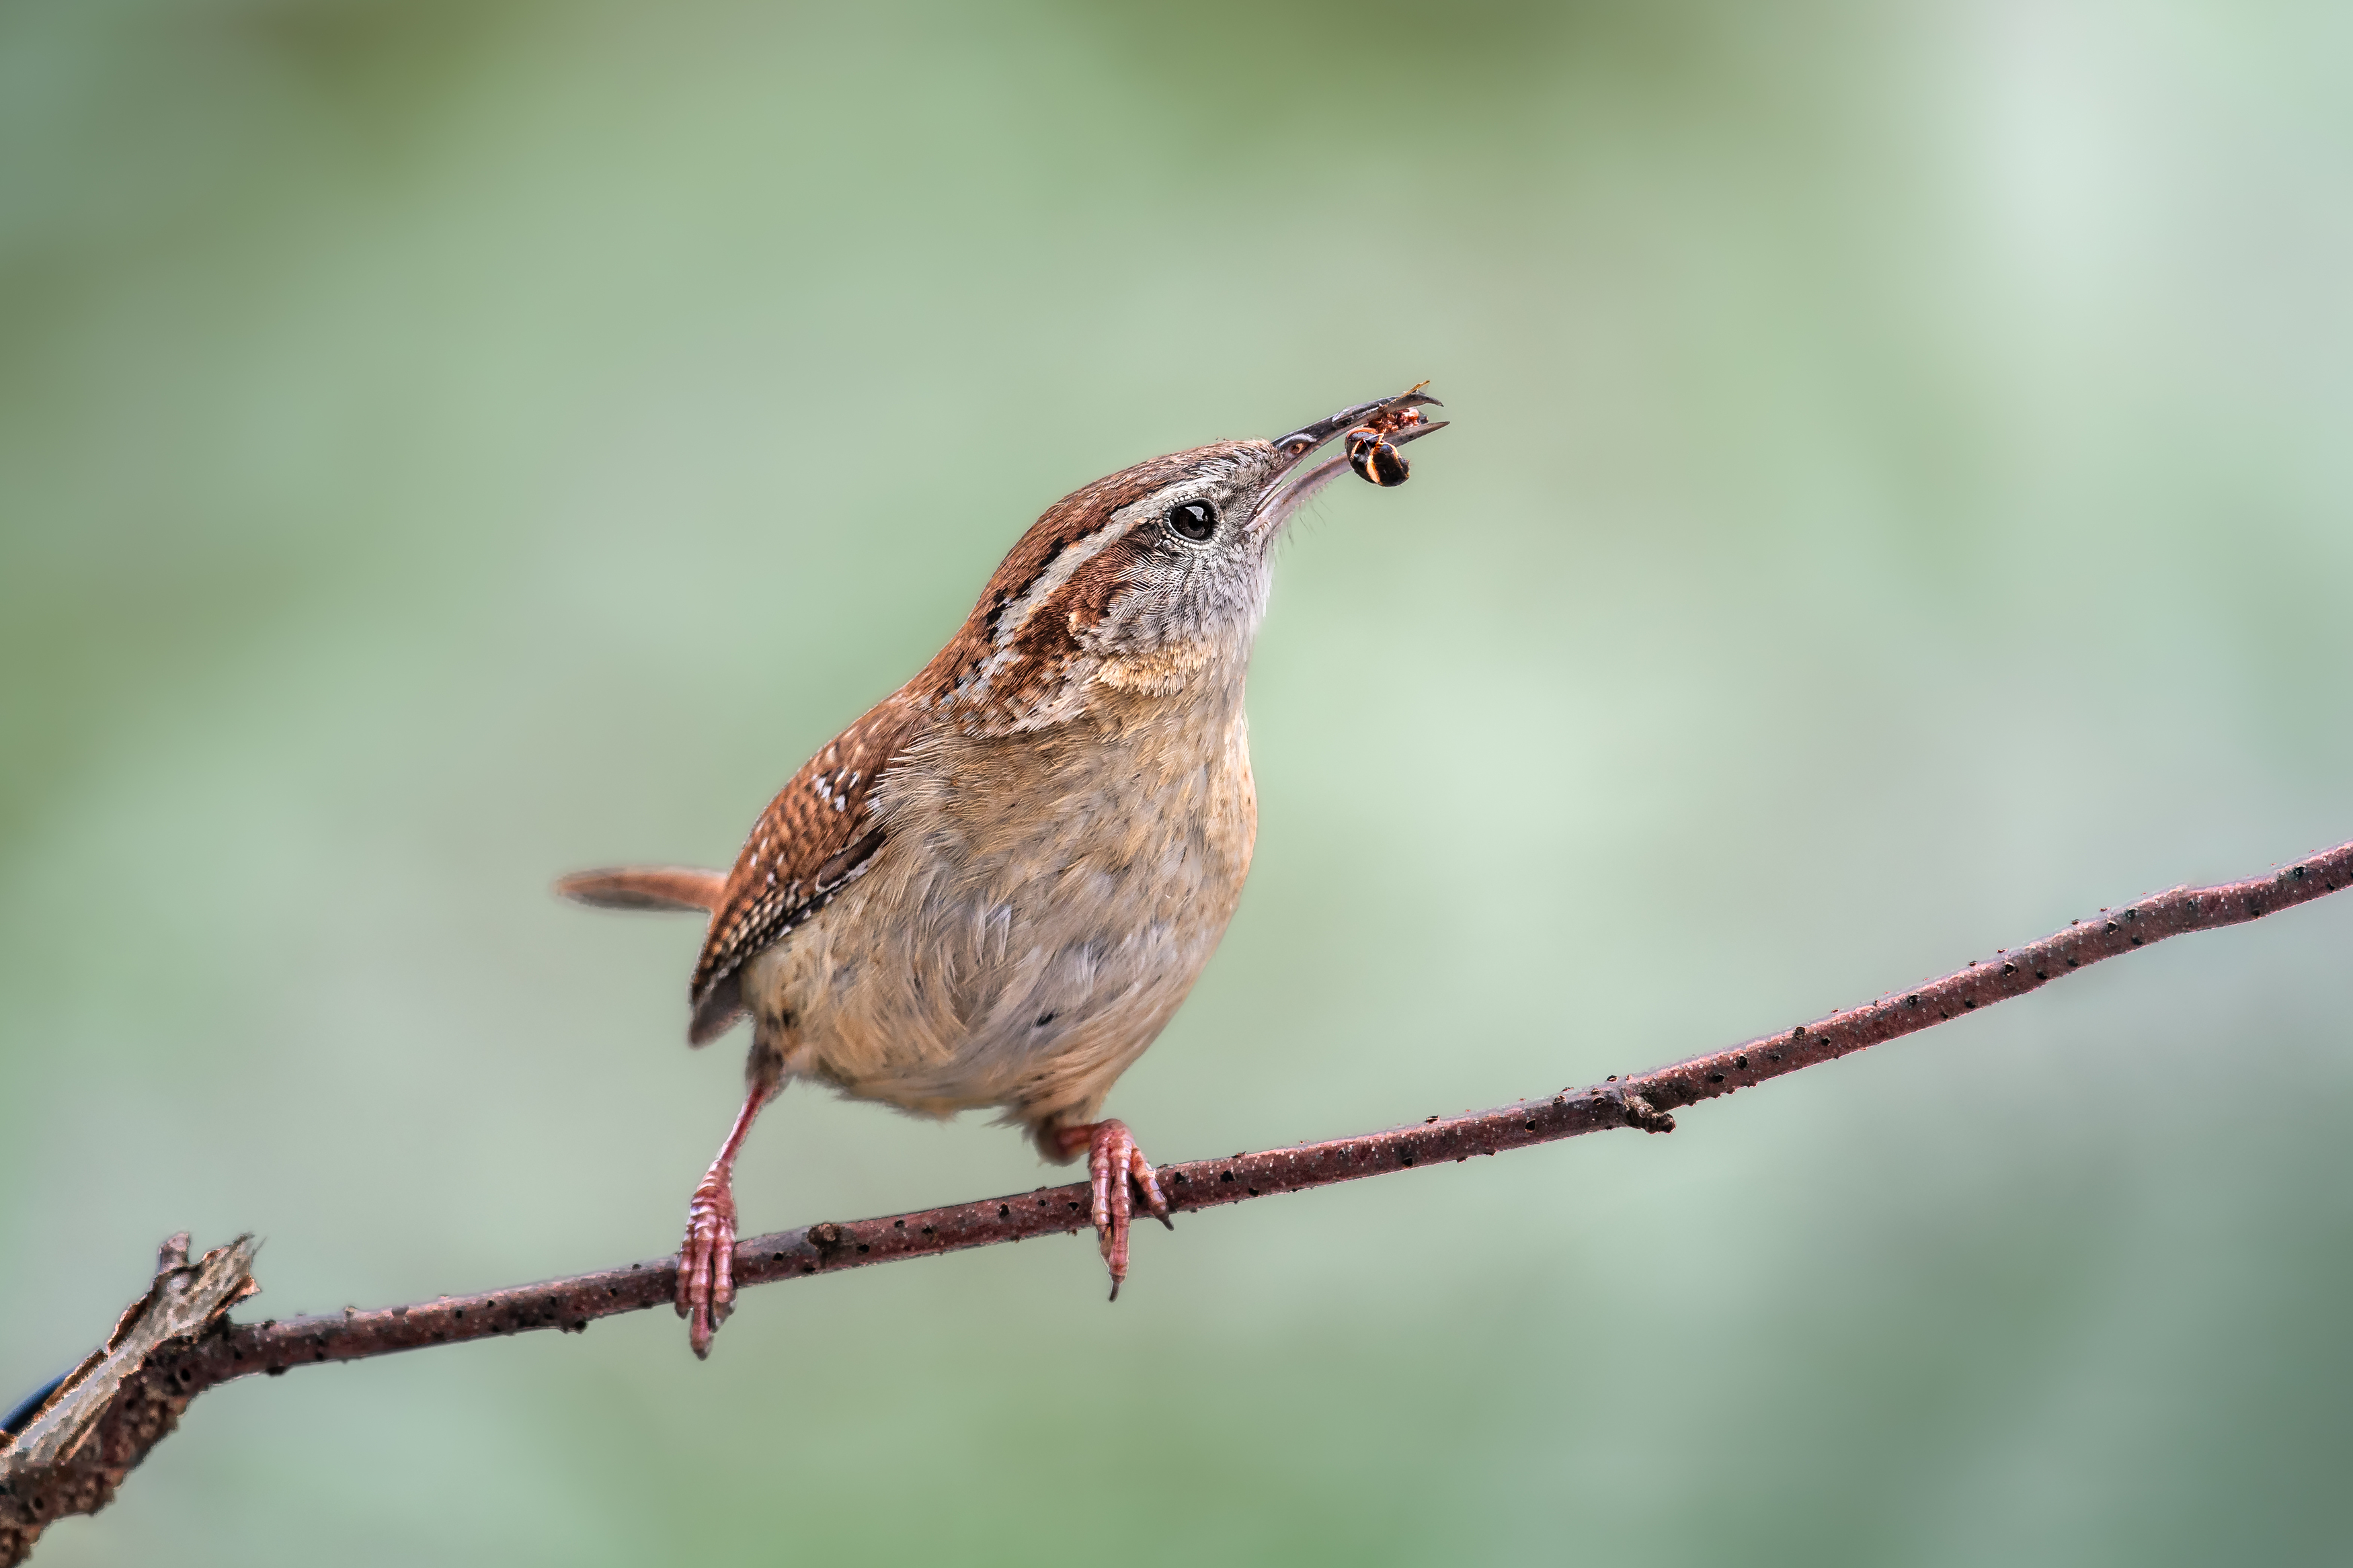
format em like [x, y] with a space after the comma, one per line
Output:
[1015, 616]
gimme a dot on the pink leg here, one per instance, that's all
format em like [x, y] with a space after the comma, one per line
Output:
[706, 1260]
[1114, 1161]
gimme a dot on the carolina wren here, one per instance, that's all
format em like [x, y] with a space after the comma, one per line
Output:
[995, 889]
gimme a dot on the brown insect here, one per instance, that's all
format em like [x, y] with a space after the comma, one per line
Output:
[1370, 452]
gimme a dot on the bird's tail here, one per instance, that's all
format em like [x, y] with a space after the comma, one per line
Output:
[645, 887]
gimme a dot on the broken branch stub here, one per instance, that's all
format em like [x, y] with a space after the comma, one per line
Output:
[102, 1417]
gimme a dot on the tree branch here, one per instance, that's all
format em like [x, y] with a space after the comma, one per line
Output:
[68, 1451]
[183, 1368]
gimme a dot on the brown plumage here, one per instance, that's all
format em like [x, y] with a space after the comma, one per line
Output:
[646, 888]
[996, 886]
[814, 839]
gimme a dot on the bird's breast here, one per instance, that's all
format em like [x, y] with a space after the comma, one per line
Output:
[1041, 904]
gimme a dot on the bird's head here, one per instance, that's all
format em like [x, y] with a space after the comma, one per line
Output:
[1149, 583]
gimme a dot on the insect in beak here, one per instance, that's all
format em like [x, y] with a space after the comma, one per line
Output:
[1373, 432]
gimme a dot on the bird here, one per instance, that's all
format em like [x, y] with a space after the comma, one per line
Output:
[995, 887]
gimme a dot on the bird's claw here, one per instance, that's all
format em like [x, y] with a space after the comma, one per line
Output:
[1116, 1171]
[706, 1263]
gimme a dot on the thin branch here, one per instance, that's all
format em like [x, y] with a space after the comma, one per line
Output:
[1645, 1101]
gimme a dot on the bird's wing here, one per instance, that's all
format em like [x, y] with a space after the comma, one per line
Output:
[815, 838]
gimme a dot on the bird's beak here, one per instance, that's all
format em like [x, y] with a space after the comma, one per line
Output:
[1294, 479]
[1306, 438]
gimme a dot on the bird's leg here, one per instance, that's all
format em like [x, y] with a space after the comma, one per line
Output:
[706, 1259]
[1113, 1163]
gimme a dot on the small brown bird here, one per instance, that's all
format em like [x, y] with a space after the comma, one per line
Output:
[995, 889]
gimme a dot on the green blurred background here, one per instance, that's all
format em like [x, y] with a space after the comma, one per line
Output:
[1899, 502]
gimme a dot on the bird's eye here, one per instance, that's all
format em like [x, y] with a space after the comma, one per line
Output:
[1196, 520]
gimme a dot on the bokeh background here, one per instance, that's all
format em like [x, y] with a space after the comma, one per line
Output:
[1901, 500]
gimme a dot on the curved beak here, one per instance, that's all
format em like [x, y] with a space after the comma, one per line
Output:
[1292, 484]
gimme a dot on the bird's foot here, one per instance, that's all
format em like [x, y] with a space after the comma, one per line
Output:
[706, 1262]
[1116, 1170]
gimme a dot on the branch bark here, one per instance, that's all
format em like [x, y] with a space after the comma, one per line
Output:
[98, 1420]
[176, 1369]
